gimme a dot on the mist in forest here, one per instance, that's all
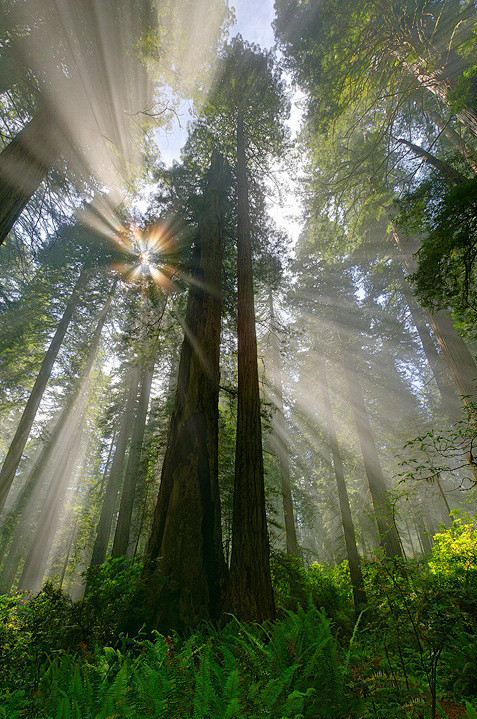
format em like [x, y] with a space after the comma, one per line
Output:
[238, 329]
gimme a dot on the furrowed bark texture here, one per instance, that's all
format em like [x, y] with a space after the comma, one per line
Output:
[252, 593]
[388, 534]
[184, 577]
[357, 582]
[14, 454]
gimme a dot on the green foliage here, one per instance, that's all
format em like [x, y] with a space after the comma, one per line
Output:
[288, 670]
[319, 585]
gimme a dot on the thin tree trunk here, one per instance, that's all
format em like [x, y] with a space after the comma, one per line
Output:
[37, 558]
[185, 572]
[388, 534]
[20, 439]
[423, 534]
[467, 152]
[279, 440]
[436, 361]
[103, 531]
[123, 525]
[24, 163]
[357, 582]
[449, 172]
[252, 592]
[458, 358]
[28, 489]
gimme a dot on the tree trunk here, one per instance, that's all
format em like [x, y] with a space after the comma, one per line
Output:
[184, 575]
[20, 439]
[44, 534]
[436, 361]
[458, 358]
[279, 440]
[357, 581]
[123, 526]
[449, 172]
[467, 152]
[24, 162]
[440, 86]
[103, 531]
[388, 535]
[252, 592]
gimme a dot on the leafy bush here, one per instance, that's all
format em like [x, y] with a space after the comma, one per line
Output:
[319, 585]
[285, 670]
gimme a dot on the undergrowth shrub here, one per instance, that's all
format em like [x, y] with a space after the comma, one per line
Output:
[286, 670]
[319, 585]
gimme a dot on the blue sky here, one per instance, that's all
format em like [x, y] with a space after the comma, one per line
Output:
[254, 22]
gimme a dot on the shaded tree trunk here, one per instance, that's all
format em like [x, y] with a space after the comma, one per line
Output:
[279, 440]
[357, 582]
[467, 152]
[103, 531]
[184, 575]
[123, 525]
[251, 584]
[24, 163]
[436, 361]
[458, 358]
[14, 454]
[388, 535]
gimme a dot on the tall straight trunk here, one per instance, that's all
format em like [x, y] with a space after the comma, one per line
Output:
[388, 534]
[279, 440]
[435, 360]
[467, 152]
[185, 572]
[30, 487]
[14, 454]
[458, 358]
[422, 532]
[24, 163]
[37, 557]
[354, 562]
[251, 584]
[123, 525]
[103, 531]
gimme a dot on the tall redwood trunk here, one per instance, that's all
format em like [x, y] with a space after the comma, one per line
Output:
[458, 358]
[388, 534]
[103, 530]
[24, 162]
[354, 562]
[14, 454]
[279, 440]
[252, 592]
[123, 525]
[184, 575]
[435, 360]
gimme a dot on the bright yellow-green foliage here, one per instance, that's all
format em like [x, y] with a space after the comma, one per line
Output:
[455, 549]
